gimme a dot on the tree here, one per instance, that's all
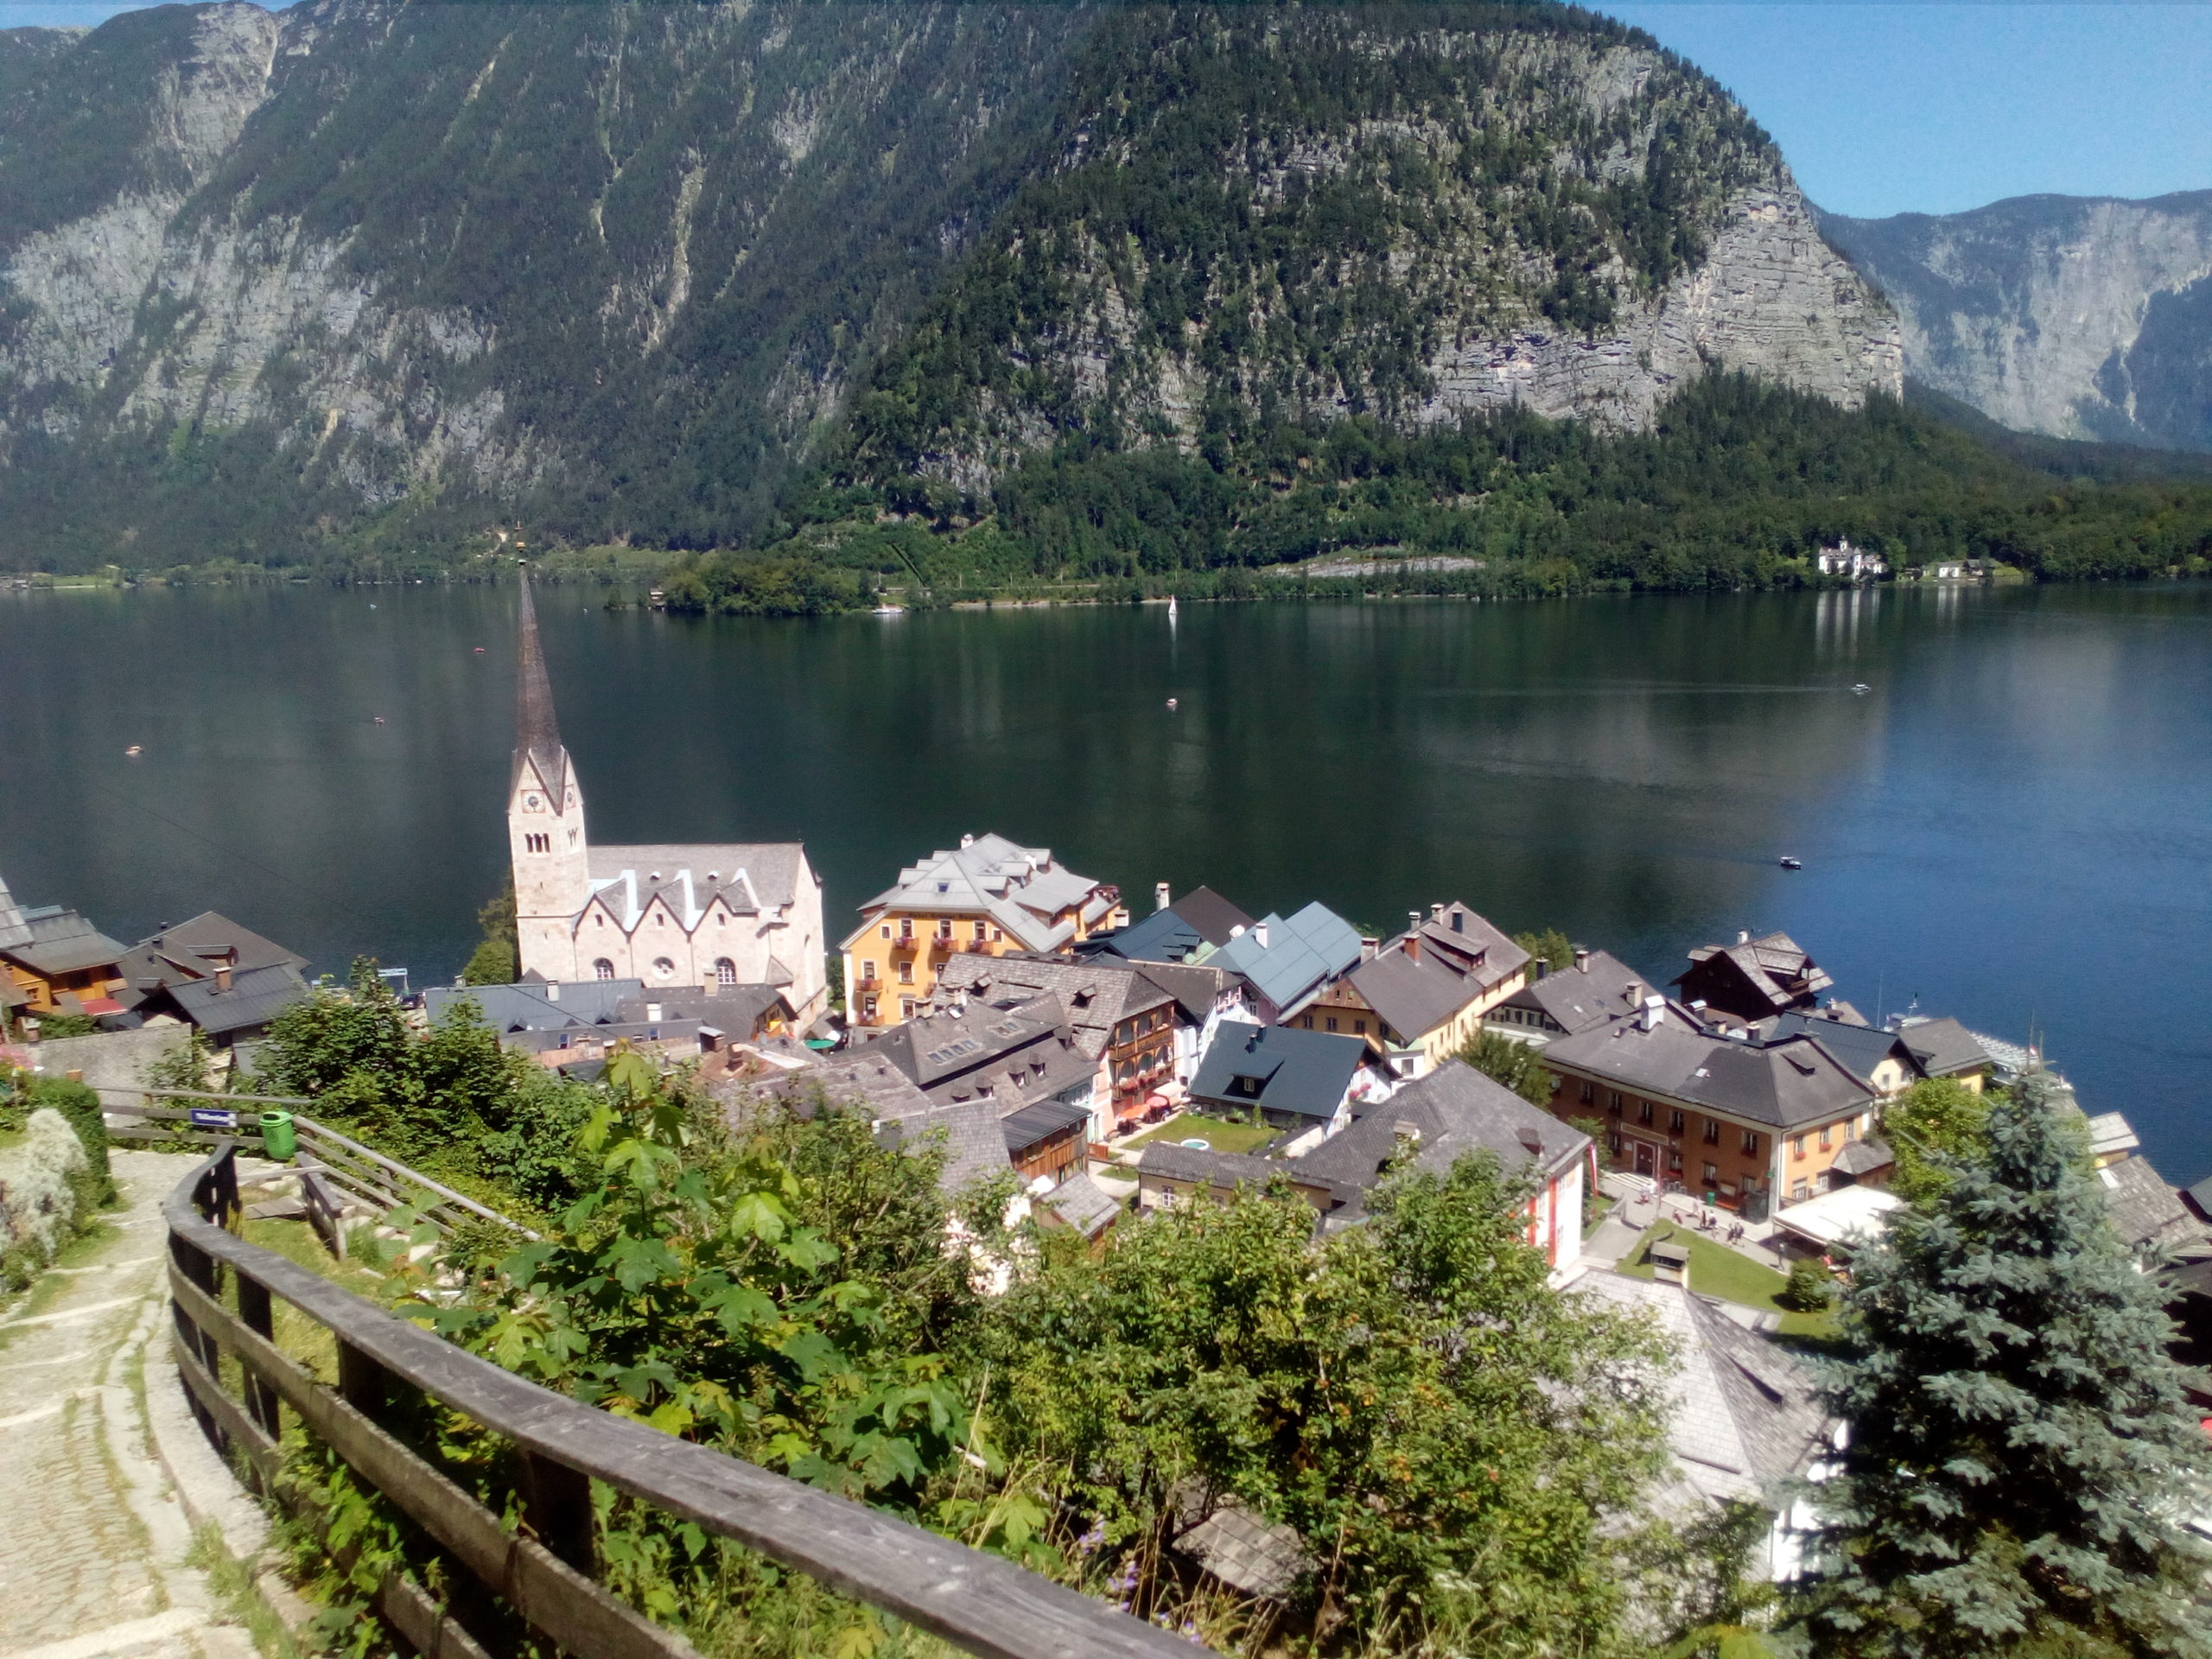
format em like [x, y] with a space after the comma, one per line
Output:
[1511, 1062]
[1934, 1127]
[2021, 1450]
[497, 958]
[1553, 946]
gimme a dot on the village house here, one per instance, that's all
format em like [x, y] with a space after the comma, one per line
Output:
[1123, 1021]
[1168, 1174]
[1453, 1112]
[1752, 1122]
[1285, 962]
[1305, 1082]
[211, 973]
[1422, 995]
[57, 962]
[1753, 979]
[967, 1133]
[1944, 1048]
[1880, 1058]
[1190, 930]
[987, 897]
[670, 915]
[1560, 999]
[1854, 563]
[1023, 1060]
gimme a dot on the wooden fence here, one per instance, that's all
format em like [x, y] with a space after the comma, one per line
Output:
[224, 1292]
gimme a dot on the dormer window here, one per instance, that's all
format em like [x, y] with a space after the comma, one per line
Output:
[1247, 1088]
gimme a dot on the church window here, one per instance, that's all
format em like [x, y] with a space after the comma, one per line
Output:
[572, 841]
[537, 844]
[530, 801]
[725, 971]
[602, 969]
[663, 967]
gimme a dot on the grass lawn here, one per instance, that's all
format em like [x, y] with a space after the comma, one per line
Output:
[1218, 1133]
[1716, 1270]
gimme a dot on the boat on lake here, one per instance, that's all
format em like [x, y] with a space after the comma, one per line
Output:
[1790, 863]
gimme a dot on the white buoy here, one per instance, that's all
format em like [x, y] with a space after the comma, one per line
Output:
[1171, 705]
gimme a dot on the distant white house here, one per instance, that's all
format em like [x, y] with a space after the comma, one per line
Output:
[1855, 563]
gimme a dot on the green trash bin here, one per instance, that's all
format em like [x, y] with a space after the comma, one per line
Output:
[277, 1140]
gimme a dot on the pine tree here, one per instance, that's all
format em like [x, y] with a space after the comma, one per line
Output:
[2021, 1449]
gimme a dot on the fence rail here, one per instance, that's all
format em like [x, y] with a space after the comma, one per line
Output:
[977, 1602]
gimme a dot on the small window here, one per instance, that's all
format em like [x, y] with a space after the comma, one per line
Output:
[980, 930]
[1613, 1143]
[1674, 1161]
[1750, 1143]
[998, 936]
[663, 967]
[886, 929]
[1674, 1122]
[1331, 1022]
[1825, 1130]
[1712, 1174]
[602, 969]
[905, 927]
[1797, 1148]
[1612, 1100]
[906, 973]
[944, 928]
[1590, 1092]
[1850, 1130]
[867, 973]
[1359, 1027]
[1712, 1133]
[1644, 1113]
[1305, 1021]
[725, 971]
[1799, 1192]
[867, 1007]
[905, 1007]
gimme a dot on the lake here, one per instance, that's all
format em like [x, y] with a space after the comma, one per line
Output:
[2013, 824]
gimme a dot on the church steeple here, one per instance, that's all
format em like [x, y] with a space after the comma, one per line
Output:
[537, 734]
[546, 845]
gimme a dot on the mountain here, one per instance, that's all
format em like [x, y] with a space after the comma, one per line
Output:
[2077, 317]
[356, 275]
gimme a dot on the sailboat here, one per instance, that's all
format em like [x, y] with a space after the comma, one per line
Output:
[1171, 607]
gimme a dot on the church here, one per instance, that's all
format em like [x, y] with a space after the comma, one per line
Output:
[676, 916]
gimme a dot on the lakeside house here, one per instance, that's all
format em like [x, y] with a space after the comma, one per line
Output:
[1305, 1082]
[1285, 962]
[670, 914]
[1559, 1000]
[987, 897]
[1189, 930]
[1753, 979]
[211, 972]
[1420, 996]
[56, 962]
[1750, 1120]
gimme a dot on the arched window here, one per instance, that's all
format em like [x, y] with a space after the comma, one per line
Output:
[663, 967]
[725, 971]
[602, 969]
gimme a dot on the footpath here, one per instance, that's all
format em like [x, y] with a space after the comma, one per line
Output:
[103, 1474]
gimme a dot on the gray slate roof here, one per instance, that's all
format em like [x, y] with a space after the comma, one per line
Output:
[1307, 1073]
[1412, 996]
[255, 998]
[1095, 992]
[1453, 1111]
[748, 877]
[1302, 952]
[1860, 1047]
[1216, 919]
[62, 941]
[538, 1005]
[1015, 1057]
[1579, 998]
[733, 1010]
[1196, 990]
[1161, 936]
[194, 948]
[1865, 1157]
[1040, 1123]
[2146, 1212]
[1080, 1202]
[1774, 967]
[864, 1081]
[1020, 888]
[1782, 1085]
[1224, 1170]
[1944, 1047]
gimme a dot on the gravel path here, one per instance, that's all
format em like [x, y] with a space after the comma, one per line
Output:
[92, 1536]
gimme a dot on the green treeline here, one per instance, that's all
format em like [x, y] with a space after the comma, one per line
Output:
[1734, 487]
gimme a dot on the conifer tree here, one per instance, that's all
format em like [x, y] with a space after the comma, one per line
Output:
[2020, 1452]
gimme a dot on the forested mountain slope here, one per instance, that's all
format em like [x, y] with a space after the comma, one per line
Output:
[358, 274]
[2079, 317]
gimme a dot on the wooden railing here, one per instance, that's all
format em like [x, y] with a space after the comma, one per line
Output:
[545, 1572]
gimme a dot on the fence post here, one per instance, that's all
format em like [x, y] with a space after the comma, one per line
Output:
[556, 1507]
[255, 1309]
[364, 1385]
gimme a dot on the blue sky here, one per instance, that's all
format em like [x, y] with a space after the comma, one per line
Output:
[1913, 105]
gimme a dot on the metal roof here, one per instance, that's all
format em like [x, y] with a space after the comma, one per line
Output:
[1302, 952]
[1034, 1124]
[62, 941]
[1285, 1070]
[254, 998]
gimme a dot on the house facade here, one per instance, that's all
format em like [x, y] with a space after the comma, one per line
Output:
[669, 915]
[987, 897]
[1753, 1122]
[57, 962]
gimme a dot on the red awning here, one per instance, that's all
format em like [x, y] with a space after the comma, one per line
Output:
[99, 1005]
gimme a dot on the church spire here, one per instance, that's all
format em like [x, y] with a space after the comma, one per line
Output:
[537, 735]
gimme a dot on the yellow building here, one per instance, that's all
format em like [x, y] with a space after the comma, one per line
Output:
[1422, 996]
[987, 897]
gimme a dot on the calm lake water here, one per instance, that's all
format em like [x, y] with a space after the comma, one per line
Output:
[2014, 825]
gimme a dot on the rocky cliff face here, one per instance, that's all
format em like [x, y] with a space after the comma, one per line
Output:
[267, 277]
[2080, 318]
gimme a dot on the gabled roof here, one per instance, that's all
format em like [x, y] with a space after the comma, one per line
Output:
[1944, 1047]
[1095, 992]
[1863, 1158]
[733, 1010]
[1576, 998]
[1302, 952]
[746, 876]
[254, 998]
[568, 1005]
[968, 1131]
[1020, 888]
[2148, 1213]
[1782, 1084]
[1412, 995]
[1861, 1048]
[1196, 989]
[1774, 967]
[1281, 1069]
[1012, 1056]
[1216, 919]
[1452, 1112]
[62, 941]
[1161, 936]
[197, 948]
[13, 929]
[863, 1081]
[1081, 1203]
[1034, 1125]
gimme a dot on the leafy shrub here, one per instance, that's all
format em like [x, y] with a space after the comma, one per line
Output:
[1811, 1286]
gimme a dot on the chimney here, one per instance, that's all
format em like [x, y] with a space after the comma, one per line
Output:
[967, 841]
[1743, 936]
[1159, 895]
[1633, 991]
[1406, 1131]
[1653, 1007]
[1368, 948]
[1459, 921]
[1436, 912]
[1542, 966]
[1581, 960]
[223, 977]
[652, 1013]
[1260, 932]
[1532, 1140]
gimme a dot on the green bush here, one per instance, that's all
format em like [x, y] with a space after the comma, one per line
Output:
[1811, 1286]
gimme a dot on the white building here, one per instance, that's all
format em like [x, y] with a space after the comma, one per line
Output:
[1856, 562]
[745, 914]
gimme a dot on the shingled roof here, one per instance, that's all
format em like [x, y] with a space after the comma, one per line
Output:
[1599, 987]
[1095, 993]
[1781, 1084]
[1020, 888]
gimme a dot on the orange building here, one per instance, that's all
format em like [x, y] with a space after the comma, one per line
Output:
[58, 961]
